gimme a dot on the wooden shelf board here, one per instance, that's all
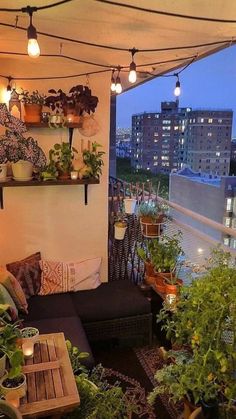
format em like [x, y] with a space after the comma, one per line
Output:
[15, 183]
[54, 125]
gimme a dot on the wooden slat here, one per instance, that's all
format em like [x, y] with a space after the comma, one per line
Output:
[40, 386]
[31, 385]
[44, 366]
[55, 373]
[50, 392]
[67, 376]
[42, 408]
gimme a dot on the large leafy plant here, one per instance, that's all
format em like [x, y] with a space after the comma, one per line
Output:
[205, 321]
[94, 160]
[62, 154]
[78, 98]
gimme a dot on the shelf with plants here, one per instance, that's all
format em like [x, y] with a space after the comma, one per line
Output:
[46, 125]
[58, 182]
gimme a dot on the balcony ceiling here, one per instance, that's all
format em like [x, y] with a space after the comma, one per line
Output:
[115, 26]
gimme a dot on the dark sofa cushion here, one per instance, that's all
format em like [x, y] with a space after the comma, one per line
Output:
[72, 329]
[50, 306]
[111, 300]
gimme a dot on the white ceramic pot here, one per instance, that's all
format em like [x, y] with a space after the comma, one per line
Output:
[120, 232]
[3, 171]
[22, 170]
[130, 204]
[20, 390]
[26, 332]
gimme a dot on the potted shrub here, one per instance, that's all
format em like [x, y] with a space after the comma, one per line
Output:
[151, 218]
[165, 255]
[93, 159]
[62, 155]
[33, 104]
[205, 320]
[145, 256]
[74, 104]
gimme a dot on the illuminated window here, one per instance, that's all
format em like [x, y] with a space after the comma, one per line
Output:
[217, 154]
[227, 222]
[164, 158]
[228, 204]
[209, 134]
[220, 121]
[155, 163]
[176, 128]
[166, 121]
[226, 241]
[210, 120]
[166, 128]
[155, 157]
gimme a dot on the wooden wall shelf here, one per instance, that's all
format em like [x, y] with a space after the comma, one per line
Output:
[69, 182]
[45, 125]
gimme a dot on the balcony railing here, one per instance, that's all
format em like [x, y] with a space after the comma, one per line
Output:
[197, 244]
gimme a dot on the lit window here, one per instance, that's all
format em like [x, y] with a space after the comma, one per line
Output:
[210, 120]
[155, 157]
[226, 241]
[155, 141]
[220, 121]
[227, 222]
[209, 134]
[166, 121]
[156, 115]
[176, 127]
[201, 119]
[155, 163]
[164, 158]
[217, 154]
[166, 128]
[228, 204]
[155, 134]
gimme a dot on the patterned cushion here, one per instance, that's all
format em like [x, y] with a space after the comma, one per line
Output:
[54, 277]
[28, 272]
[5, 298]
[14, 289]
[60, 277]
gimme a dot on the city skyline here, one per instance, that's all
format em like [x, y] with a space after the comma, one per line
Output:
[209, 84]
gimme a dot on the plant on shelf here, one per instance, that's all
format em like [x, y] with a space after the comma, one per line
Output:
[76, 102]
[33, 103]
[61, 157]
[94, 160]
[151, 215]
[204, 320]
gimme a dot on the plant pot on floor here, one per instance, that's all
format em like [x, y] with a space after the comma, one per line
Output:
[22, 170]
[33, 112]
[9, 411]
[129, 204]
[18, 384]
[174, 287]
[3, 171]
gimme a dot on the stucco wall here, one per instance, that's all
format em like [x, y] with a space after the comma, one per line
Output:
[53, 219]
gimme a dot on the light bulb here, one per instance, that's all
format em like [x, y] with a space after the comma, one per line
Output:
[132, 72]
[113, 86]
[177, 90]
[118, 88]
[33, 48]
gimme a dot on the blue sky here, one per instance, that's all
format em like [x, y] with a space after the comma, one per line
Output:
[208, 83]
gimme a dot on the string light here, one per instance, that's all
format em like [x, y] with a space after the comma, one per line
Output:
[33, 46]
[177, 90]
[113, 83]
[8, 90]
[132, 68]
[118, 82]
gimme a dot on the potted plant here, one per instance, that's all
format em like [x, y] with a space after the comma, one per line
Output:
[9, 339]
[205, 321]
[62, 155]
[165, 255]
[74, 104]
[120, 226]
[33, 104]
[151, 218]
[93, 159]
[29, 333]
[145, 255]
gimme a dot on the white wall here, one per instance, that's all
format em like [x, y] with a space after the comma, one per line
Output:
[54, 219]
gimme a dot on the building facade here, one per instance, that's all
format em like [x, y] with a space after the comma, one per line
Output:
[156, 138]
[197, 192]
[207, 141]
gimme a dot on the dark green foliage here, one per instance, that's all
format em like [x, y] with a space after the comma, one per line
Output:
[94, 160]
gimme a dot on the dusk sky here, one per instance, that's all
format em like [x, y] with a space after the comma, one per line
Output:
[209, 83]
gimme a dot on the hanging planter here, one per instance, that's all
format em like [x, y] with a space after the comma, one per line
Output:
[120, 229]
[151, 227]
[129, 205]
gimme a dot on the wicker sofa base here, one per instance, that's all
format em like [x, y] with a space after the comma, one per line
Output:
[139, 326]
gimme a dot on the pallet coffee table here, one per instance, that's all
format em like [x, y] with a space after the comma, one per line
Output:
[51, 387]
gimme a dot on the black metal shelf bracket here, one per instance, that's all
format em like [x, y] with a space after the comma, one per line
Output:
[86, 194]
[1, 197]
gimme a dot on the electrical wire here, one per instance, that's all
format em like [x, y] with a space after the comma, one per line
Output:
[160, 12]
[91, 44]
[55, 77]
[35, 8]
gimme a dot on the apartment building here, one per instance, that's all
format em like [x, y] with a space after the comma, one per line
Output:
[209, 195]
[207, 142]
[156, 138]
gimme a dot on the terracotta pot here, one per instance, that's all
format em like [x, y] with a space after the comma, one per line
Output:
[33, 112]
[160, 283]
[151, 228]
[189, 408]
[71, 114]
[173, 289]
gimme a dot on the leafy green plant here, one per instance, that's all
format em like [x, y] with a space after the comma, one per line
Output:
[94, 159]
[61, 157]
[78, 98]
[205, 321]
[151, 210]
[35, 97]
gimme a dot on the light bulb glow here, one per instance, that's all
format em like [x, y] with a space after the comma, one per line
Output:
[7, 95]
[177, 90]
[33, 48]
[118, 88]
[113, 86]
[132, 76]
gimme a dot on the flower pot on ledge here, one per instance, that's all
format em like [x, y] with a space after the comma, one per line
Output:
[22, 170]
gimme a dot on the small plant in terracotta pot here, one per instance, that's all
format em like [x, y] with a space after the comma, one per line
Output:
[151, 217]
[62, 154]
[33, 104]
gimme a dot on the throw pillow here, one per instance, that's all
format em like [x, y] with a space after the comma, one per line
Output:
[58, 277]
[14, 289]
[28, 272]
[54, 278]
[85, 275]
[5, 298]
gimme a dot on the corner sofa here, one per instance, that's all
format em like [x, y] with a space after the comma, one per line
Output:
[116, 309]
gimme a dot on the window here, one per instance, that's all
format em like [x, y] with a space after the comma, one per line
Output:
[227, 221]
[226, 241]
[210, 120]
[209, 134]
[228, 204]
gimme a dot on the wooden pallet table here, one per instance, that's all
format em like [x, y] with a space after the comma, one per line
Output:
[51, 387]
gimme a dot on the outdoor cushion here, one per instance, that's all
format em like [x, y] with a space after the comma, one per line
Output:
[111, 300]
[50, 306]
[14, 288]
[72, 329]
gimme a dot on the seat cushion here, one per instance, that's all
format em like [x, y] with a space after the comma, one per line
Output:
[73, 330]
[111, 300]
[50, 306]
